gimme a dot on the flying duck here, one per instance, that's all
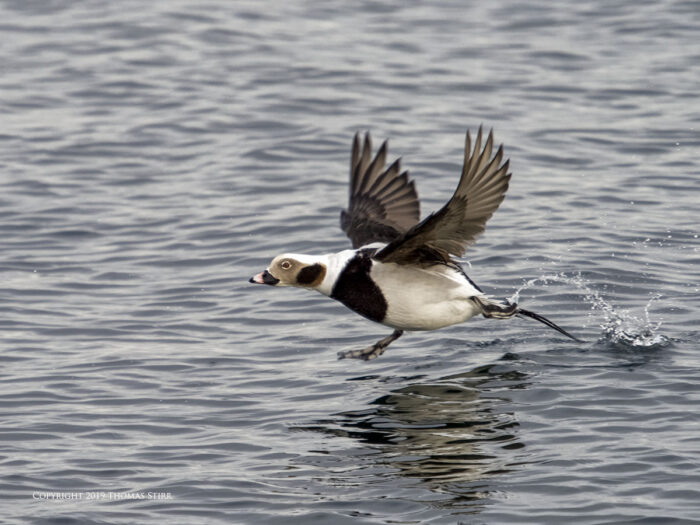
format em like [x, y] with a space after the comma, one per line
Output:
[401, 271]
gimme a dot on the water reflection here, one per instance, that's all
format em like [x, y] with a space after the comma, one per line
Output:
[448, 435]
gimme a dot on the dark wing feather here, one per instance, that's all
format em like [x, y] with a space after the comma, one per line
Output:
[453, 228]
[383, 202]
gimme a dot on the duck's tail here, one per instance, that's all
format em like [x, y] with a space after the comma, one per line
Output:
[494, 310]
[542, 319]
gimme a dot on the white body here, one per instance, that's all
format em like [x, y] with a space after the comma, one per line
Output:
[417, 298]
[424, 298]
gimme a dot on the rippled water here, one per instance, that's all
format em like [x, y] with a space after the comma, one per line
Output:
[155, 155]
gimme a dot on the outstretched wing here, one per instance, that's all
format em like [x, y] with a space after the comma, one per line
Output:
[451, 230]
[383, 202]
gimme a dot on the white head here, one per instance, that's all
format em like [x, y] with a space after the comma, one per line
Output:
[292, 269]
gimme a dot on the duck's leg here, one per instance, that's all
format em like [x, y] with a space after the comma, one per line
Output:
[493, 310]
[371, 352]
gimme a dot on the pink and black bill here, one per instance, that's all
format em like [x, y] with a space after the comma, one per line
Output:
[264, 277]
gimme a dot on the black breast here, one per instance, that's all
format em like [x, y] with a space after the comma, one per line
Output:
[356, 290]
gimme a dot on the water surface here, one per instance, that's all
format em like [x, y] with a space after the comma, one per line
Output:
[154, 156]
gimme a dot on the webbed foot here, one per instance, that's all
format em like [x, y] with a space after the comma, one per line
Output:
[371, 352]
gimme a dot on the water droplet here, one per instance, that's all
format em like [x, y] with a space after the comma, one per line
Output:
[619, 327]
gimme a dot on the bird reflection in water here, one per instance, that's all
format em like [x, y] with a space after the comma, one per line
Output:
[449, 435]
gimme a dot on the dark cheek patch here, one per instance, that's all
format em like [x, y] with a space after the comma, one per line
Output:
[311, 275]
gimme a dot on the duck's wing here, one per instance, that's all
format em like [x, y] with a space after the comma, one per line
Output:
[452, 229]
[383, 202]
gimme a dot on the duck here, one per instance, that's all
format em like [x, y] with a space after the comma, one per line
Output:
[403, 272]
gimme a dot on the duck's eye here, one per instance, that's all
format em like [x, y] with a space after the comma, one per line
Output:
[286, 265]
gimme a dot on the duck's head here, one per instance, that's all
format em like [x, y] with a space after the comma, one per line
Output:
[290, 269]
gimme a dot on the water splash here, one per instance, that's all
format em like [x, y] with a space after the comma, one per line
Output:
[620, 327]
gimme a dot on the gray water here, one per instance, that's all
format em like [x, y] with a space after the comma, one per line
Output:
[155, 155]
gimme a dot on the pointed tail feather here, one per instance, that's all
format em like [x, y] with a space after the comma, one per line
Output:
[544, 320]
[494, 310]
